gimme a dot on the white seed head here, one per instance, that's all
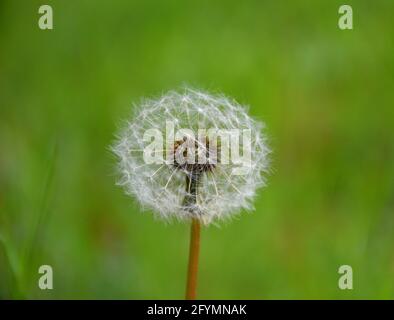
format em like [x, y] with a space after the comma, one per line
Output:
[211, 191]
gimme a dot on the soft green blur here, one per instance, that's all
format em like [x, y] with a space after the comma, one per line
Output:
[326, 97]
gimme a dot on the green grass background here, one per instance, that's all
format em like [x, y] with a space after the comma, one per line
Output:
[326, 96]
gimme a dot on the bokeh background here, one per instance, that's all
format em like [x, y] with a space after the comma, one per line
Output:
[326, 97]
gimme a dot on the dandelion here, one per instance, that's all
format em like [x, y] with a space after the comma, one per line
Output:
[192, 156]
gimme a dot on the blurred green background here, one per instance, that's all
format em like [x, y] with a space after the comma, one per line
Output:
[326, 96]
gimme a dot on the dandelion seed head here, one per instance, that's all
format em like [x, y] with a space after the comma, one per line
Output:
[210, 191]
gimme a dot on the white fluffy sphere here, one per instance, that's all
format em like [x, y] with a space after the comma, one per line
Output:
[222, 188]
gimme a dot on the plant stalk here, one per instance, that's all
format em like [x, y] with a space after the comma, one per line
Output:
[194, 249]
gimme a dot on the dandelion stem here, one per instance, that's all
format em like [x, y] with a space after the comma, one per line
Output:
[194, 249]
